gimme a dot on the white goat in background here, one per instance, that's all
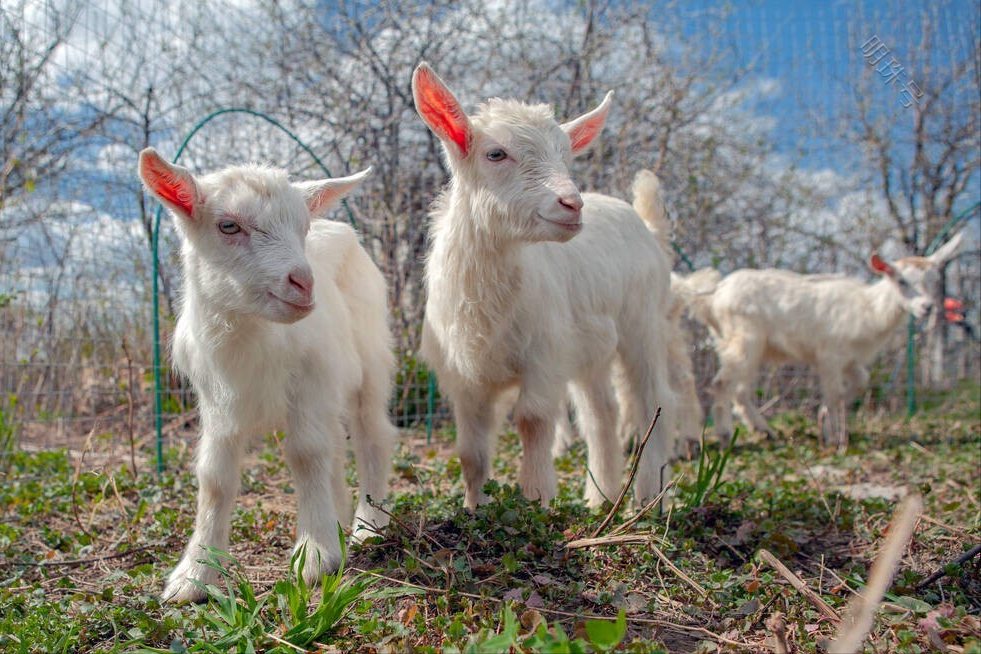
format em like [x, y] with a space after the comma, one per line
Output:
[532, 285]
[832, 322]
[649, 205]
[282, 325]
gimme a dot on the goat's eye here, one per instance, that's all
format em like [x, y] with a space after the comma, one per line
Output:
[497, 154]
[902, 282]
[229, 227]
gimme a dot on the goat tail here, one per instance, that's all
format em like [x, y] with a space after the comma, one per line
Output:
[649, 204]
[695, 292]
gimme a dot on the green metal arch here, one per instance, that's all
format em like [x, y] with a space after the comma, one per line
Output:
[155, 246]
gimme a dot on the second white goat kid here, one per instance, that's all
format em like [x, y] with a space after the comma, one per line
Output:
[282, 325]
[533, 286]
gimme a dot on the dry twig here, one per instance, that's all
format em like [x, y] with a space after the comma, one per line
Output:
[799, 585]
[622, 539]
[857, 620]
[630, 478]
[961, 560]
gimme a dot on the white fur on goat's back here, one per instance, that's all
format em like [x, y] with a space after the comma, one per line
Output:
[783, 308]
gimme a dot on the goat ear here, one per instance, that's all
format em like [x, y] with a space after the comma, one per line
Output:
[879, 265]
[948, 250]
[321, 194]
[440, 110]
[583, 130]
[173, 185]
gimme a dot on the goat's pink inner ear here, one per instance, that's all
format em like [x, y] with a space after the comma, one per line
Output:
[167, 184]
[584, 129]
[440, 109]
[880, 266]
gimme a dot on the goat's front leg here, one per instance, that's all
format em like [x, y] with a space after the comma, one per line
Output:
[219, 458]
[314, 450]
[834, 429]
[475, 443]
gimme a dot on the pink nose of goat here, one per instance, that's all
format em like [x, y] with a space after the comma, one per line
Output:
[301, 283]
[572, 202]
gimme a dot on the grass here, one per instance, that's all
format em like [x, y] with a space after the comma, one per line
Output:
[85, 548]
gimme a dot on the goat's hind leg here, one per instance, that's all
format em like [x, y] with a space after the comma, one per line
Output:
[218, 469]
[373, 437]
[597, 412]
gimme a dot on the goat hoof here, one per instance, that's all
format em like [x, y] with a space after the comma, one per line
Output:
[186, 583]
[319, 561]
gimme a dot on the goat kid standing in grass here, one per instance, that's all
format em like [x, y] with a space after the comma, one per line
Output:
[282, 325]
[833, 322]
[532, 285]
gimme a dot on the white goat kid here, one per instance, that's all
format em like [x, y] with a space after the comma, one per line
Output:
[833, 322]
[283, 325]
[532, 286]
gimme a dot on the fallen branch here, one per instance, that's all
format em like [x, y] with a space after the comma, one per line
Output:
[78, 562]
[799, 585]
[623, 539]
[961, 560]
[630, 478]
[678, 571]
[860, 612]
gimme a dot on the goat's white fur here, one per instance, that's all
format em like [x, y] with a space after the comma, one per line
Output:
[279, 328]
[531, 285]
[649, 205]
[833, 322]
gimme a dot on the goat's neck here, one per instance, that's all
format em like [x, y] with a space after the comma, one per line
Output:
[215, 328]
[883, 312]
[476, 275]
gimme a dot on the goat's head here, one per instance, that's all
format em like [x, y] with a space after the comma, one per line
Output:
[917, 279]
[244, 230]
[512, 158]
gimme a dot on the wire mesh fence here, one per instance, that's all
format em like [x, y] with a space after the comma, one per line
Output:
[76, 280]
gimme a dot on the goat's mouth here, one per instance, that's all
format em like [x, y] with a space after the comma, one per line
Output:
[570, 225]
[293, 306]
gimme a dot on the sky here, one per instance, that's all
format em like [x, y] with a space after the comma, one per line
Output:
[811, 49]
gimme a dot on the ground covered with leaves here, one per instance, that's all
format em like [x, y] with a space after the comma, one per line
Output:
[85, 545]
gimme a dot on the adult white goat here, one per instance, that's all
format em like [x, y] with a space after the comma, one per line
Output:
[532, 285]
[833, 322]
[282, 325]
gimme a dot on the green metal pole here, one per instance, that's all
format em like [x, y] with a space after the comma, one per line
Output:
[911, 369]
[910, 345]
[430, 403]
[157, 386]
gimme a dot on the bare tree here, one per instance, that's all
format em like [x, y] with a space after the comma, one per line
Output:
[916, 119]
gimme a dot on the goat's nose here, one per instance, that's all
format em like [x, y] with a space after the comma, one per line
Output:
[572, 202]
[301, 280]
